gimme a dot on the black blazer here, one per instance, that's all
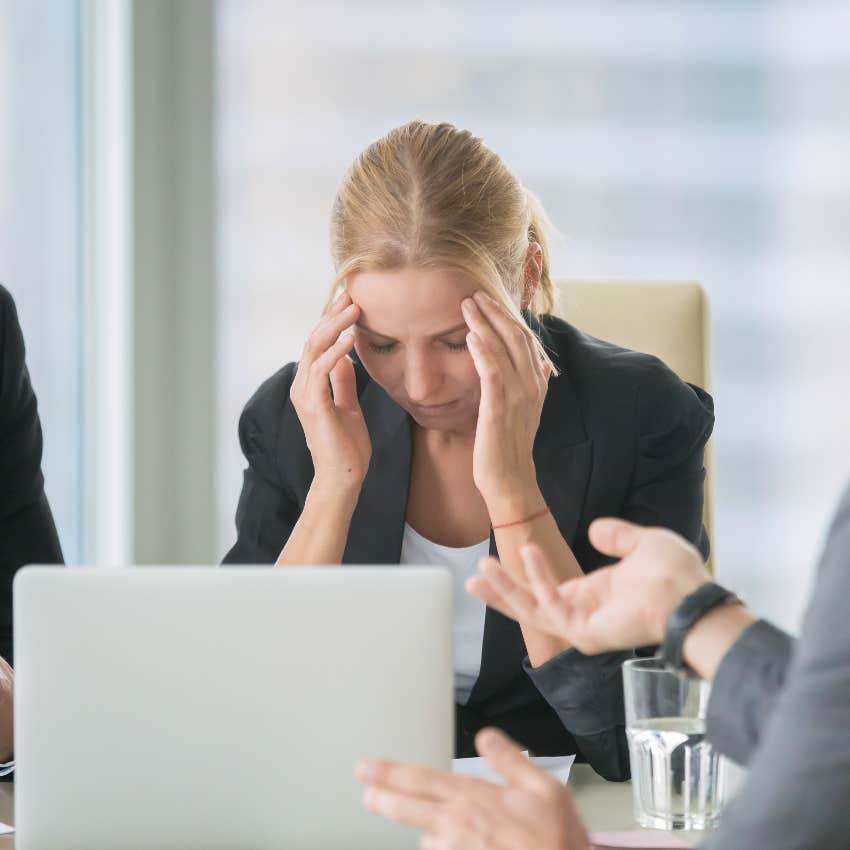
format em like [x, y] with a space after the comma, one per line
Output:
[620, 435]
[27, 532]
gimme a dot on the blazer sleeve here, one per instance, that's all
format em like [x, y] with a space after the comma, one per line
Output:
[743, 694]
[27, 531]
[673, 421]
[267, 511]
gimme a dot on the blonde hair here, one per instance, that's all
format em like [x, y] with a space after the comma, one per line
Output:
[434, 195]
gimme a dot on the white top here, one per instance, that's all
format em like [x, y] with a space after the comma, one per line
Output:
[469, 611]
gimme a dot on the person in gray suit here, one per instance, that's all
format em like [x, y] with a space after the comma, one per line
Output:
[780, 706]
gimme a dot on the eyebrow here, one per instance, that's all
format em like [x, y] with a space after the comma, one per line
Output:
[434, 336]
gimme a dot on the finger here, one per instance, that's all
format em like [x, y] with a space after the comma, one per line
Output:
[338, 304]
[555, 608]
[615, 537]
[327, 331]
[507, 759]
[500, 591]
[320, 369]
[488, 335]
[480, 586]
[344, 384]
[541, 577]
[515, 338]
[490, 373]
[417, 781]
[513, 594]
[401, 808]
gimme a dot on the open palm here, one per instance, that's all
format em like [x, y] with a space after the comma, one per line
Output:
[616, 607]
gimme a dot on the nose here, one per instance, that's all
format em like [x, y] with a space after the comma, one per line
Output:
[422, 378]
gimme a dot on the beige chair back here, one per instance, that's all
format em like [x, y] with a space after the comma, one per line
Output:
[669, 320]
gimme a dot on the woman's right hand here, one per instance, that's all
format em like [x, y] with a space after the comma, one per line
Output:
[333, 422]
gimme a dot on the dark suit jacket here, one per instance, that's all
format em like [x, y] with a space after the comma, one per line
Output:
[620, 435]
[27, 532]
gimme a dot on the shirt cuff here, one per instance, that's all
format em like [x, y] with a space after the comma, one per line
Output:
[586, 691]
[750, 676]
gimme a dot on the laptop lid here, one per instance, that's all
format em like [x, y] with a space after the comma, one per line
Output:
[188, 707]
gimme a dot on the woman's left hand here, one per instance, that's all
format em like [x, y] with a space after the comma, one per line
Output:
[533, 811]
[514, 381]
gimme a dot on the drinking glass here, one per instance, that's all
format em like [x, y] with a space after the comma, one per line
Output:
[679, 780]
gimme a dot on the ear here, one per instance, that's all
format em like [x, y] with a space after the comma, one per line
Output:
[532, 274]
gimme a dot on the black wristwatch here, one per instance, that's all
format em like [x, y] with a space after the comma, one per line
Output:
[691, 609]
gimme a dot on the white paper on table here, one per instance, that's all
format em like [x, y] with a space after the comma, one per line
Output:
[650, 839]
[5, 829]
[557, 766]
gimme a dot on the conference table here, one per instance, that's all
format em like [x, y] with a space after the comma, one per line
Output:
[605, 806]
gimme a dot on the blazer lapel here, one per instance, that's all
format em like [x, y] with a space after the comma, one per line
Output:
[377, 525]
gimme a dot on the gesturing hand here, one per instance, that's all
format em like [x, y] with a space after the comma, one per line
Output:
[617, 607]
[532, 812]
[514, 381]
[333, 423]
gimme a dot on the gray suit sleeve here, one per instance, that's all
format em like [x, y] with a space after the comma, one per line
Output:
[745, 689]
[797, 791]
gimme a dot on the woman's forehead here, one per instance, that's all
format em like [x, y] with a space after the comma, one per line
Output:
[410, 301]
[406, 282]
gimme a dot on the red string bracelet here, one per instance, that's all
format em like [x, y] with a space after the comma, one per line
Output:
[520, 521]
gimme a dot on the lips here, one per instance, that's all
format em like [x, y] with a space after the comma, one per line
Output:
[433, 408]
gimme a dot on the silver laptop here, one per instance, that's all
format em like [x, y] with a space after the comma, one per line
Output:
[192, 707]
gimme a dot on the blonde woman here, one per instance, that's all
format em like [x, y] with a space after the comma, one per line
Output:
[439, 414]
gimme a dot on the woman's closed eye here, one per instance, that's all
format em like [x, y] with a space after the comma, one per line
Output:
[389, 347]
[456, 346]
[381, 349]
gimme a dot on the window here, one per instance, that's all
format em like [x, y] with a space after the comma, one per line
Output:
[40, 238]
[700, 141]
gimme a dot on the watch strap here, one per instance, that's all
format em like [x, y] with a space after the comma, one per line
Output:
[685, 615]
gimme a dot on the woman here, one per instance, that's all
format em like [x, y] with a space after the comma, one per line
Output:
[438, 414]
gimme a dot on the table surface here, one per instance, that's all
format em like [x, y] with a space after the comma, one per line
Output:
[605, 806]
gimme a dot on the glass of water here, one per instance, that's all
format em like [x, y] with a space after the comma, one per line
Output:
[679, 781]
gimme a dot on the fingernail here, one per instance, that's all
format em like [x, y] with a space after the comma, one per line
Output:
[364, 770]
[369, 798]
[490, 739]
